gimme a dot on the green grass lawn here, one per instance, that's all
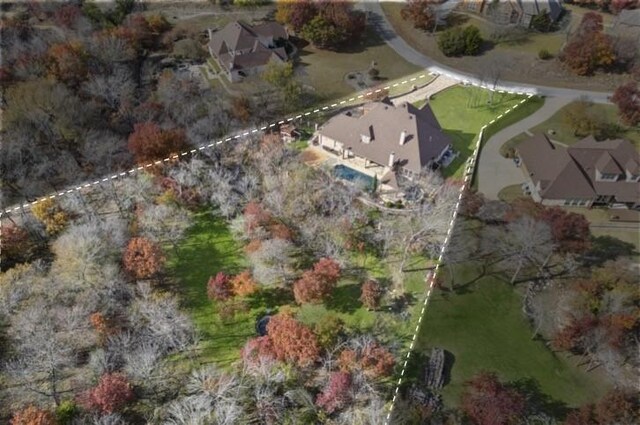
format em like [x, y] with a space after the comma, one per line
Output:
[565, 134]
[462, 111]
[210, 248]
[483, 327]
[325, 70]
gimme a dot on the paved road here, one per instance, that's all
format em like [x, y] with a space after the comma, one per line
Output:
[494, 171]
[385, 29]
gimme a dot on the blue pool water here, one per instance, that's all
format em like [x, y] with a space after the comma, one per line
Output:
[346, 173]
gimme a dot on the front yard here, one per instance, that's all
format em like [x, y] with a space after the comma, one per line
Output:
[463, 110]
[326, 70]
[564, 132]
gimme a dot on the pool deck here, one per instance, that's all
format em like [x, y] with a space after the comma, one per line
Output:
[327, 160]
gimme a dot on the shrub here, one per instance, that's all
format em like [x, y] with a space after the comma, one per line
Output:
[544, 54]
[458, 42]
[374, 73]
[65, 412]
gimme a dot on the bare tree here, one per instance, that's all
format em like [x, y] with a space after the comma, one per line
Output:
[523, 242]
[113, 89]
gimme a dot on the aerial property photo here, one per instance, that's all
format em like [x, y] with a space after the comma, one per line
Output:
[320, 212]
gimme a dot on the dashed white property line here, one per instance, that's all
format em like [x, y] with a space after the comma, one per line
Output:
[431, 276]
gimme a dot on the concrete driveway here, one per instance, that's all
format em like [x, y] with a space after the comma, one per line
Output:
[496, 172]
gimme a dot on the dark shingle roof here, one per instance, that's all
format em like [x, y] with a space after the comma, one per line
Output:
[384, 123]
[565, 173]
[240, 36]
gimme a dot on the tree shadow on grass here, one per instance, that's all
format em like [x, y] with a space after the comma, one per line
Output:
[345, 298]
[539, 400]
[270, 298]
[605, 248]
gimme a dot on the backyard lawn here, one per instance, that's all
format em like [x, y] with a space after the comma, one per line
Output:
[482, 326]
[210, 248]
[462, 111]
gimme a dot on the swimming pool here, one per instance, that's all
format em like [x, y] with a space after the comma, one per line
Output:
[345, 173]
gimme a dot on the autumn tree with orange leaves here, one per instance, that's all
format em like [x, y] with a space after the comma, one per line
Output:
[31, 415]
[143, 258]
[149, 142]
[317, 284]
[589, 48]
[292, 341]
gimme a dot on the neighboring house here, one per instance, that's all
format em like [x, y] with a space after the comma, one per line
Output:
[241, 49]
[513, 12]
[400, 140]
[584, 174]
[627, 25]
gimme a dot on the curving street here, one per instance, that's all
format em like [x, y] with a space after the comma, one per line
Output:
[384, 28]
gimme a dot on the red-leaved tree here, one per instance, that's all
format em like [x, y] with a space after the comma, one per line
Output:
[149, 142]
[335, 394]
[616, 407]
[111, 394]
[219, 287]
[257, 349]
[292, 341]
[317, 284]
[370, 294]
[486, 401]
[143, 258]
[589, 48]
[627, 99]
[372, 358]
[67, 62]
[31, 415]
[421, 13]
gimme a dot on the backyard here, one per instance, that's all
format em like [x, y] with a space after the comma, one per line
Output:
[462, 111]
[209, 248]
[481, 324]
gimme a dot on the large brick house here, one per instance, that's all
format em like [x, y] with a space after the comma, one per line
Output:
[241, 49]
[513, 12]
[587, 173]
[400, 139]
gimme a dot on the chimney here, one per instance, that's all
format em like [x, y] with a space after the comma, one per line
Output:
[210, 32]
[403, 137]
[392, 159]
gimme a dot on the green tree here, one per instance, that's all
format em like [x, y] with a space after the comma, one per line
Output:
[451, 42]
[472, 40]
[322, 33]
